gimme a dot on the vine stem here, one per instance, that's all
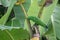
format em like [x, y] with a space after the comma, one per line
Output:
[26, 15]
[28, 21]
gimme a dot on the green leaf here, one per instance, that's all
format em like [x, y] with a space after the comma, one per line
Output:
[34, 8]
[5, 3]
[54, 29]
[47, 12]
[14, 34]
[56, 20]
[50, 33]
[19, 13]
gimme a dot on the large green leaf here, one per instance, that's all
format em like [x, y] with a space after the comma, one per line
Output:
[14, 34]
[54, 26]
[19, 13]
[34, 8]
[56, 20]
[46, 14]
[50, 33]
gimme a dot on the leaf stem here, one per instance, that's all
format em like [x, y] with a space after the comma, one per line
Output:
[26, 15]
[28, 21]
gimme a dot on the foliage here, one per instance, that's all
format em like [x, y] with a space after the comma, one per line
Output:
[17, 18]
